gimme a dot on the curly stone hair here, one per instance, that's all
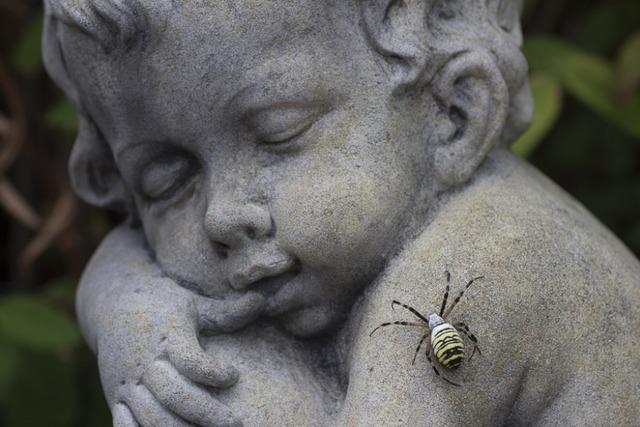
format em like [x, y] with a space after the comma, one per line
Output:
[112, 23]
[456, 26]
[453, 25]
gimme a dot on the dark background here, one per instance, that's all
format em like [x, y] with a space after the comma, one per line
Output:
[585, 72]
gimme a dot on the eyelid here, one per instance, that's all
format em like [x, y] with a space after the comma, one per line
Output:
[281, 123]
[164, 176]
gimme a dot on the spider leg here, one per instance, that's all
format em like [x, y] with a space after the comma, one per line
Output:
[424, 337]
[462, 327]
[399, 323]
[411, 309]
[446, 296]
[457, 300]
[428, 353]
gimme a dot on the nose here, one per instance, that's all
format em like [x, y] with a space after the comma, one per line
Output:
[231, 225]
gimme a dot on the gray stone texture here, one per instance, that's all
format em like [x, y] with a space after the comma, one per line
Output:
[288, 169]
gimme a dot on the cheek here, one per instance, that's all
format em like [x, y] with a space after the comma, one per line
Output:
[344, 215]
[177, 237]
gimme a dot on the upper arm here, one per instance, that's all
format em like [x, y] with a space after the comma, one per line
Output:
[556, 316]
[508, 311]
[118, 267]
[386, 388]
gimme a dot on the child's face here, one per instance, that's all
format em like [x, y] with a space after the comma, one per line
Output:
[266, 155]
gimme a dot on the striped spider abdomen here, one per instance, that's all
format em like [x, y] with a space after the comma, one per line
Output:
[448, 346]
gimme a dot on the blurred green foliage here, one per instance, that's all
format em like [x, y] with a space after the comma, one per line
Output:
[32, 324]
[62, 117]
[47, 376]
[547, 96]
[585, 78]
[589, 78]
[24, 57]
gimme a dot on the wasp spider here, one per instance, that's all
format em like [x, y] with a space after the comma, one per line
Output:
[445, 343]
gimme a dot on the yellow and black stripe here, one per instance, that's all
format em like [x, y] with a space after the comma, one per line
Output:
[448, 346]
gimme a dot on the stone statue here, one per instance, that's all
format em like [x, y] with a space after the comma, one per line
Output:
[289, 168]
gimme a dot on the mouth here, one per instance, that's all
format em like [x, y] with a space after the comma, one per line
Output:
[269, 286]
[265, 278]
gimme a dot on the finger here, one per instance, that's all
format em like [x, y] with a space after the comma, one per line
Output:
[231, 314]
[122, 416]
[149, 412]
[188, 357]
[186, 399]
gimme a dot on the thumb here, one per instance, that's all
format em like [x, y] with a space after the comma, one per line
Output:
[189, 359]
[227, 315]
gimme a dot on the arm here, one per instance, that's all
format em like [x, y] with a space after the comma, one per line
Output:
[508, 311]
[385, 388]
[144, 330]
[557, 343]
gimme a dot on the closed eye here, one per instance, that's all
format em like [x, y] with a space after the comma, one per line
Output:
[281, 125]
[166, 176]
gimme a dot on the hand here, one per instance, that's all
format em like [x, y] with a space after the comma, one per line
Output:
[153, 369]
[144, 329]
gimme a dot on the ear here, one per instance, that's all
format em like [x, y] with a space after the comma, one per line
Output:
[94, 174]
[475, 100]
[397, 28]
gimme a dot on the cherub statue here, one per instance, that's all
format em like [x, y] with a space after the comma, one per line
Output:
[289, 168]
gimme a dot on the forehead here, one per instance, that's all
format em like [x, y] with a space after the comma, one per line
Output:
[241, 28]
[206, 51]
[225, 43]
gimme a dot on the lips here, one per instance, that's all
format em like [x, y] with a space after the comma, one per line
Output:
[265, 275]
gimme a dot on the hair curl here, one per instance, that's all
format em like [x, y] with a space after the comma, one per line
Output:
[114, 24]
[455, 26]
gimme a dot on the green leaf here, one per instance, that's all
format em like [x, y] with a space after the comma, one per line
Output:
[587, 77]
[31, 323]
[60, 293]
[8, 362]
[628, 69]
[27, 57]
[43, 392]
[62, 117]
[547, 96]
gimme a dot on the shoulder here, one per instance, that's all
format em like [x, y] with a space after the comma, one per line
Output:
[545, 260]
[529, 239]
[554, 279]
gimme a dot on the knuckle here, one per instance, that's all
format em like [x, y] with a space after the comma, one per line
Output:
[225, 377]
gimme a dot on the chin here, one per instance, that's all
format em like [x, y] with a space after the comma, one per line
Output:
[313, 321]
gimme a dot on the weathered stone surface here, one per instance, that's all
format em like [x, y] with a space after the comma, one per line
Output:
[559, 296]
[289, 168]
